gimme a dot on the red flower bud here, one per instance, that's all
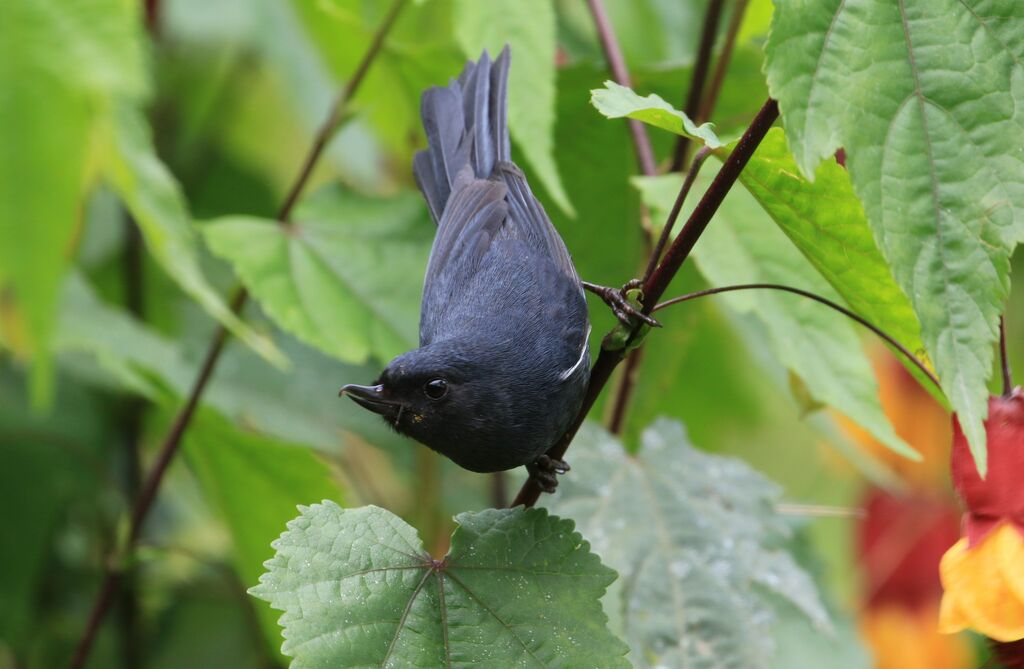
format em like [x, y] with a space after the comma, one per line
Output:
[1000, 496]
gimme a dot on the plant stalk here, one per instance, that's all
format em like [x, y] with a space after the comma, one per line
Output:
[677, 206]
[700, 73]
[152, 16]
[657, 283]
[646, 163]
[710, 98]
[617, 64]
[624, 391]
[1004, 359]
[128, 604]
[169, 448]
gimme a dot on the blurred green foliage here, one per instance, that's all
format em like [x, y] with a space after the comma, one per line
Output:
[194, 131]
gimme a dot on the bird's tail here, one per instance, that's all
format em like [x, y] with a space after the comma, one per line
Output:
[467, 126]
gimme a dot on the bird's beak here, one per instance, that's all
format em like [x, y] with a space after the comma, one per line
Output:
[369, 397]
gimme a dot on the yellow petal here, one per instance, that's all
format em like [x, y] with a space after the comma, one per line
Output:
[951, 616]
[980, 594]
[1011, 558]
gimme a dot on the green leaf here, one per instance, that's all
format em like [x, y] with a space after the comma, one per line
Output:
[155, 201]
[615, 101]
[138, 358]
[696, 569]
[826, 222]
[757, 20]
[419, 52]
[44, 472]
[106, 346]
[71, 91]
[57, 65]
[927, 98]
[528, 27]
[519, 588]
[799, 644]
[816, 343]
[256, 483]
[345, 277]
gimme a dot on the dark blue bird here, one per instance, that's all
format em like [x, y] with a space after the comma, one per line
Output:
[503, 361]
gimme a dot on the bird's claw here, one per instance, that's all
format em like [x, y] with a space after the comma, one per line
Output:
[545, 470]
[618, 300]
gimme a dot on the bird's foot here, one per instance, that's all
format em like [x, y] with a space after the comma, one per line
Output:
[545, 470]
[618, 299]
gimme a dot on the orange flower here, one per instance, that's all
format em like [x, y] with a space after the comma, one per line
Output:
[902, 536]
[984, 585]
[983, 573]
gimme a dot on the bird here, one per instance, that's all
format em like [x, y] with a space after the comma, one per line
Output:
[503, 361]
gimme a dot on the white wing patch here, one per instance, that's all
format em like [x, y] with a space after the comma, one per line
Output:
[583, 356]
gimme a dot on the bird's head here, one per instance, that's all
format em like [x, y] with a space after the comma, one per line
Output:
[444, 396]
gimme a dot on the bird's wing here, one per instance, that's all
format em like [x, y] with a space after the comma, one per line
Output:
[473, 218]
[529, 222]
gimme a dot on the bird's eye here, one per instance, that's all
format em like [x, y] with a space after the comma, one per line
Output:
[435, 389]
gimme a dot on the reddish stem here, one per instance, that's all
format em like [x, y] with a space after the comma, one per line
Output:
[613, 54]
[656, 284]
[646, 162]
[152, 8]
[707, 105]
[700, 73]
[677, 206]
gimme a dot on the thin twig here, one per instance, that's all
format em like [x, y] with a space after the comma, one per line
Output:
[818, 511]
[889, 339]
[169, 448]
[152, 16]
[613, 54]
[646, 162]
[133, 277]
[499, 489]
[710, 98]
[700, 73]
[624, 391]
[656, 284]
[666, 231]
[1004, 359]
